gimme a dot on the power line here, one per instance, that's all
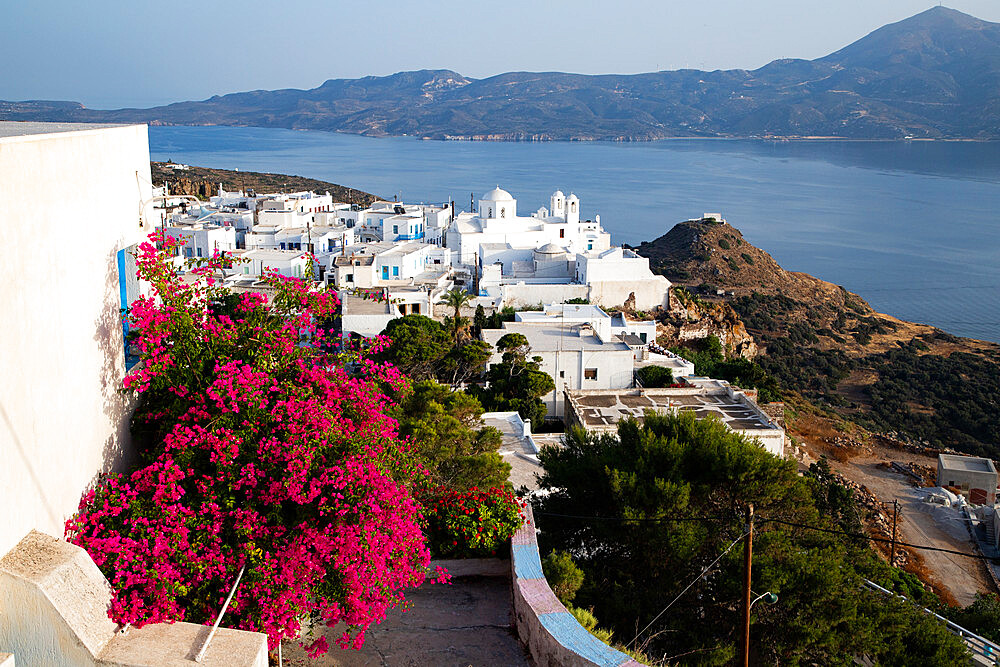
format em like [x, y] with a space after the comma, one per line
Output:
[794, 524]
[693, 582]
[875, 539]
[641, 520]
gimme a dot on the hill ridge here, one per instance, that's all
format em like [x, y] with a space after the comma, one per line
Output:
[935, 75]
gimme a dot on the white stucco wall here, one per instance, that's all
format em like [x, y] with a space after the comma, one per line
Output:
[68, 202]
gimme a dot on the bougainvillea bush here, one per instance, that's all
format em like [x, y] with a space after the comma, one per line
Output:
[473, 523]
[258, 450]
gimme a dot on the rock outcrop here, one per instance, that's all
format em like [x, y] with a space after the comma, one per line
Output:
[690, 318]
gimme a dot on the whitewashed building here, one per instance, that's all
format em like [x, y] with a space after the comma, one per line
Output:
[63, 421]
[498, 224]
[575, 355]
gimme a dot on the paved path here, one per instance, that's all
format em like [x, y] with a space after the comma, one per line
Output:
[467, 623]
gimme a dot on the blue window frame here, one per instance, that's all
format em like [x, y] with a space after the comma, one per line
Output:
[385, 272]
[128, 292]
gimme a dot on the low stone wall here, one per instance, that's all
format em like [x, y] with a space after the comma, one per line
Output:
[54, 611]
[552, 635]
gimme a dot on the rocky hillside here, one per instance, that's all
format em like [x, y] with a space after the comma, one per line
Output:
[830, 348]
[933, 75]
[203, 182]
[690, 319]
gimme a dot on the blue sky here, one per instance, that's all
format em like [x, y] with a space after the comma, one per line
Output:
[114, 53]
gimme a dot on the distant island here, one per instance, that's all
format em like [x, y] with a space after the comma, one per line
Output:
[935, 75]
[203, 182]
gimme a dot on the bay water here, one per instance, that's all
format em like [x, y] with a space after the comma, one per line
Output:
[913, 227]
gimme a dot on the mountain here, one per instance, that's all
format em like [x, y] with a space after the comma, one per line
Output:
[933, 75]
[828, 348]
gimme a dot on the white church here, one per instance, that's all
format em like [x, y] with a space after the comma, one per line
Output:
[549, 257]
[497, 222]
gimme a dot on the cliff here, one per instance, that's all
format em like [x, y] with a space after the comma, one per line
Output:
[690, 318]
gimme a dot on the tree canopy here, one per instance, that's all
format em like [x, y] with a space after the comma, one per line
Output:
[449, 440]
[423, 349]
[667, 498]
[516, 383]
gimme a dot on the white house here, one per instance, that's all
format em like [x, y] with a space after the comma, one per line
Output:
[290, 263]
[575, 355]
[601, 410]
[617, 275]
[387, 264]
[63, 421]
[203, 240]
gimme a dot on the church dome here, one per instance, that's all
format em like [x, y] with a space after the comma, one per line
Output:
[497, 195]
[558, 193]
[550, 249]
[572, 197]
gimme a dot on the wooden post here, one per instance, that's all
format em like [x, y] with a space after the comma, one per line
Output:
[747, 559]
[895, 516]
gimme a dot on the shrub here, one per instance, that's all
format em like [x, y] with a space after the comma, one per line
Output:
[259, 451]
[655, 376]
[472, 524]
[747, 258]
[564, 577]
[724, 244]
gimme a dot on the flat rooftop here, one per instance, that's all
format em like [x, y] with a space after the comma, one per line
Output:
[515, 449]
[16, 128]
[600, 409]
[552, 336]
[355, 305]
[966, 463]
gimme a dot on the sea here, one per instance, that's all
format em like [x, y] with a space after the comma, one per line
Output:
[913, 227]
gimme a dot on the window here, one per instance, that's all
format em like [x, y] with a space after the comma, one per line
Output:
[349, 278]
[395, 271]
[503, 212]
[199, 252]
[385, 272]
[562, 374]
[490, 214]
[128, 292]
[562, 233]
[590, 245]
[416, 309]
[572, 207]
[395, 229]
[590, 374]
[188, 253]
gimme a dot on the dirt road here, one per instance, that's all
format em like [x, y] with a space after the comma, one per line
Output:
[922, 524]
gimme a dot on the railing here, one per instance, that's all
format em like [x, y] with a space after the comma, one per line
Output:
[979, 646]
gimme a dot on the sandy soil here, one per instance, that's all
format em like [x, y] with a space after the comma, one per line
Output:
[921, 524]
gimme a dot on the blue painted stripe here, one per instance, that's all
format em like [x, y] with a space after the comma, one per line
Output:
[527, 563]
[568, 632]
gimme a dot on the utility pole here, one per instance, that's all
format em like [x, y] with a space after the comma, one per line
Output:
[895, 516]
[747, 557]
